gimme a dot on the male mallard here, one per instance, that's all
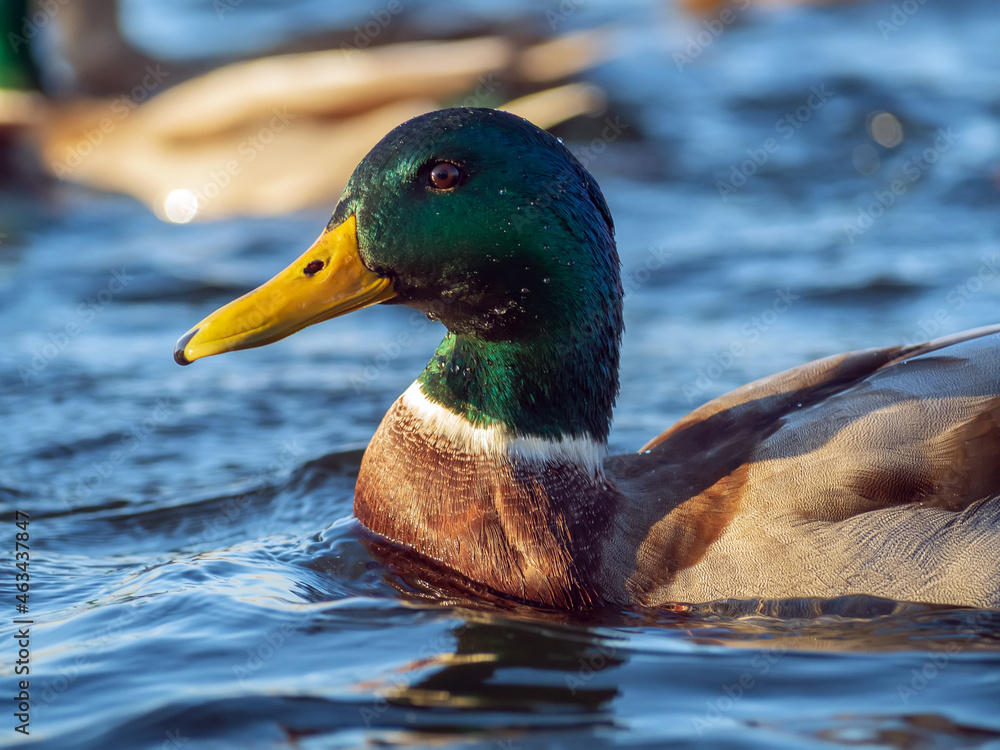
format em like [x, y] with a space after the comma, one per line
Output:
[241, 139]
[873, 472]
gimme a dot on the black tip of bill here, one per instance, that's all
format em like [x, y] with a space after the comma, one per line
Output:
[179, 357]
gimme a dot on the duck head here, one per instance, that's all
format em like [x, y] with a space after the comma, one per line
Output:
[485, 222]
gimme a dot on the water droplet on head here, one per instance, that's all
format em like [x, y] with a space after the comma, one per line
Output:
[524, 290]
[545, 280]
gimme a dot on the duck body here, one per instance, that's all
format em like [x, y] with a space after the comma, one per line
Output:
[872, 472]
[864, 473]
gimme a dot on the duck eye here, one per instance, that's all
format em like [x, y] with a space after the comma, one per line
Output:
[313, 267]
[444, 175]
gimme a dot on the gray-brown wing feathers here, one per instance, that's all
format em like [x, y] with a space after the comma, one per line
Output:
[923, 429]
[869, 472]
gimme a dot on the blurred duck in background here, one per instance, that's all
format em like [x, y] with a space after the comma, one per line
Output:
[244, 139]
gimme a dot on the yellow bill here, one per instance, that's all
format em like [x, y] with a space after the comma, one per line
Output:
[328, 280]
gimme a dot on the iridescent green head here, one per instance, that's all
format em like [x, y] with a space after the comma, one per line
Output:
[490, 225]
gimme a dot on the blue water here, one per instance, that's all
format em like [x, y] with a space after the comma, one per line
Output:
[195, 580]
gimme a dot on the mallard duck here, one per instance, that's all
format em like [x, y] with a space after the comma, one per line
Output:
[200, 150]
[873, 472]
[240, 139]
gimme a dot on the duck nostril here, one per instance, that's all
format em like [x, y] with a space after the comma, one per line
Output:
[313, 267]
